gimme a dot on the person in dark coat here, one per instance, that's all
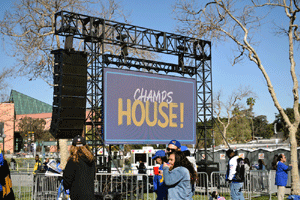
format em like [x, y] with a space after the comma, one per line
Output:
[142, 168]
[6, 191]
[79, 173]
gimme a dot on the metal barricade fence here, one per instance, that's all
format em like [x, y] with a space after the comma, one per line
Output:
[201, 186]
[107, 186]
[257, 183]
[45, 187]
[273, 187]
[218, 183]
[140, 186]
[260, 183]
[122, 186]
[22, 184]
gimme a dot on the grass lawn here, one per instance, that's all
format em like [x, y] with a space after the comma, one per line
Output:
[274, 197]
[26, 195]
[22, 193]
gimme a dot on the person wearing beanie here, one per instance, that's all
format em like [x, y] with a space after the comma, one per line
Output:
[79, 173]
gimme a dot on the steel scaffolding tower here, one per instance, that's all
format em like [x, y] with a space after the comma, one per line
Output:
[194, 60]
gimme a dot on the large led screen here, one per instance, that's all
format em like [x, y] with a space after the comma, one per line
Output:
[146, 108]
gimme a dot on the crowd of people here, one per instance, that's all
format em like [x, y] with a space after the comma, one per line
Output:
[175, 178]
[177, 175]
[239, 167]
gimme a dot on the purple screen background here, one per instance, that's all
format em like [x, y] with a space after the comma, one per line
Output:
[123, 84]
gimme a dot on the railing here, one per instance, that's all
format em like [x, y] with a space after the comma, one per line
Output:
[201, 187]
[17, 168]
[257, 183]
[123, 186]
[22, 185]
[45, 187]
[27, 186]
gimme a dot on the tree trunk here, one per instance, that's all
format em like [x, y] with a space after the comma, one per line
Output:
[224, 139]
[294, 162]
[64, 153]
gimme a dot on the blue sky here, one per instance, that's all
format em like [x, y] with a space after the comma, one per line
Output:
[157, 14]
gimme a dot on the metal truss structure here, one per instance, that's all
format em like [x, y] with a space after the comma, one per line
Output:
[100, 34]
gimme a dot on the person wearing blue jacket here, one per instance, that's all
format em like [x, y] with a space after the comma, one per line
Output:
[180, 177]
[281, 176]
[159, 186]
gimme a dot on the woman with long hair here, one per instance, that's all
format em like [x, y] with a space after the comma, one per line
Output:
[180, 176]
[247, 165]
[79, 174]
[274, 162]
[261, 165]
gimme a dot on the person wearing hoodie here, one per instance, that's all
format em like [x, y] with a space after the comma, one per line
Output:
[281, 176]
[79, 173]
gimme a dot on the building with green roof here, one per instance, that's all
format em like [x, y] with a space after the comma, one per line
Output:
[27, 105]
[18, 107]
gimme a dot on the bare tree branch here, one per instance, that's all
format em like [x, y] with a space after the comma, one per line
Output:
[236, 21]
[29, 29]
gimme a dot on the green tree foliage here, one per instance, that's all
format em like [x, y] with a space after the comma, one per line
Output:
[251, 102]
[281, 124]
[261, 127]
[37, 126]
[239, 130]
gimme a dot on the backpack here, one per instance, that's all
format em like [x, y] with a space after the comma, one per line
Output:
[240, 170]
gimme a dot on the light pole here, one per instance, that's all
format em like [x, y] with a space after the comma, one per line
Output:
[275, 131]
[30, 139]
[3, 137]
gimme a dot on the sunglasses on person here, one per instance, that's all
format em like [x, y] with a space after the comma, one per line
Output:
[171, 150]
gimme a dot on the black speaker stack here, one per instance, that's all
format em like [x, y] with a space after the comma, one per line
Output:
[69, 97]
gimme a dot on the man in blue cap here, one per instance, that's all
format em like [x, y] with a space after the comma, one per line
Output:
[158, 182]
[173, 145]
